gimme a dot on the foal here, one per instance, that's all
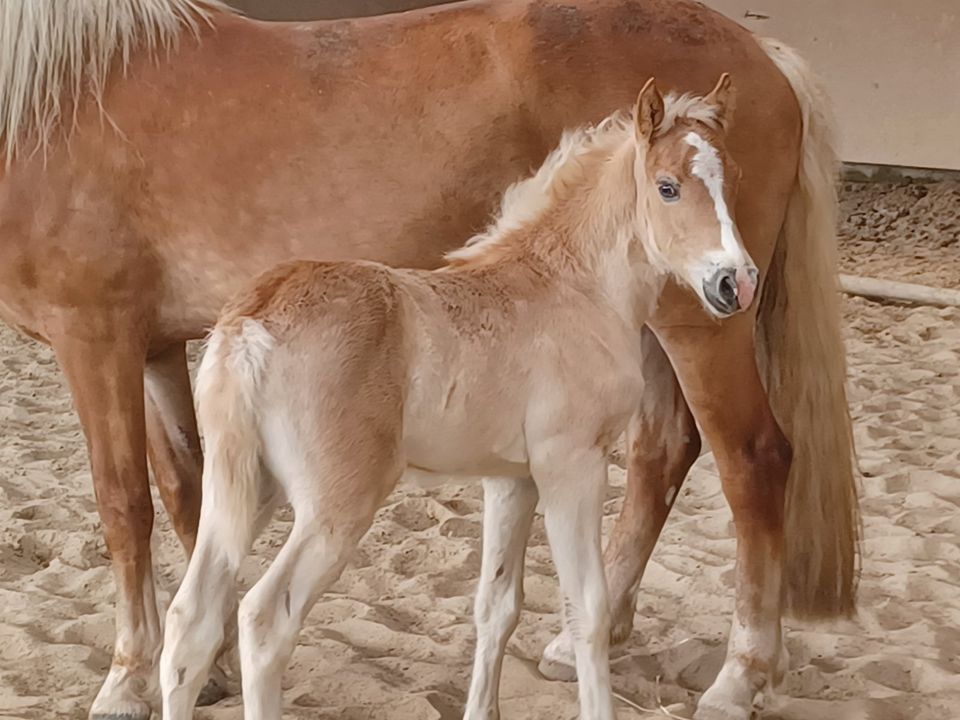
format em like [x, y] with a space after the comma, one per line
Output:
[519, 362]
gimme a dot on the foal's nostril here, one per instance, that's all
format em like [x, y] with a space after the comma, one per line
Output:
[727, 289]
[721, 291]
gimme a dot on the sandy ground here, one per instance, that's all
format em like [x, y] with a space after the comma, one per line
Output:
[394, 639]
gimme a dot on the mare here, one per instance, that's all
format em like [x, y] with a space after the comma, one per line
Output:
[158, 154]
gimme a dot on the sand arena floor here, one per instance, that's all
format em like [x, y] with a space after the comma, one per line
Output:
[393, 641]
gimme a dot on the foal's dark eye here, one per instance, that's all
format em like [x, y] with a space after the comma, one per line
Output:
[669, 191]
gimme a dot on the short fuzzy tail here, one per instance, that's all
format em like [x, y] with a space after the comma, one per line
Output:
[802, 353]
[228, 395]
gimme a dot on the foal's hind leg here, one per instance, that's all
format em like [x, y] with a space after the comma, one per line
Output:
[508, 506]
[663, 443]
[334, 504]
[195, 623]
[717, 367]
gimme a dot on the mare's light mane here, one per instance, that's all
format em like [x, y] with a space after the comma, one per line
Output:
[580, 149]
[51, 51]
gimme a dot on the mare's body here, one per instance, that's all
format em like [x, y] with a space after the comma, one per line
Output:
[388, 139]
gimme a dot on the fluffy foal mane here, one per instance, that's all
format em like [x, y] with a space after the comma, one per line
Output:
[580, 149]
[52, 50]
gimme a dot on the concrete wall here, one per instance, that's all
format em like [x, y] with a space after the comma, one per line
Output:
[892, 67]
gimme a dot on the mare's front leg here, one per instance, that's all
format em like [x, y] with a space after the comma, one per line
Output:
[508, 507]
[663, 442]
[105, 374]
[717, 368]
[572, 483]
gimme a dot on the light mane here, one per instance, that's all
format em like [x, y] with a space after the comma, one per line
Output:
[526, 201]
[51, 51]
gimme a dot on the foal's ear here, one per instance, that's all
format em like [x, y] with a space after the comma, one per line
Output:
[649, 111]
[724, 98]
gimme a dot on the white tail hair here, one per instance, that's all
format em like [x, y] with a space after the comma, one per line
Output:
[801, 353]
[228, 397]
[51, 51]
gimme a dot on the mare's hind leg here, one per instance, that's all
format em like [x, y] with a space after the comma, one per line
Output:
[508, 507]
[173, 443]
[105, 374]
[334, 501]
[205, 602]
[717, 367]
[663, 443]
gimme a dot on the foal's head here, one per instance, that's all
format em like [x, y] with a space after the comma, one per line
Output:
[687, 190]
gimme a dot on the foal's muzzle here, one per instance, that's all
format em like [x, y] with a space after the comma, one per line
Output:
[731, 289]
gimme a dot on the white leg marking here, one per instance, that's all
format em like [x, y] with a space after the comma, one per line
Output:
[753, 653]
[671, 492]
[125, 689]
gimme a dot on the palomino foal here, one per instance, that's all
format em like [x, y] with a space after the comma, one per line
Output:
[324, 381]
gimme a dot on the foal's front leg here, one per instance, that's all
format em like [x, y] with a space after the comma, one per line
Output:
[663, 442]
[508, 507]
[572, 485]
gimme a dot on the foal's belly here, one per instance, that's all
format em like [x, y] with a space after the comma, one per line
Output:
[457, 444]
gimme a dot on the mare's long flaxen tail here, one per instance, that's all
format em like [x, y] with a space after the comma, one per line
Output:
[802, 356]
[228, 398]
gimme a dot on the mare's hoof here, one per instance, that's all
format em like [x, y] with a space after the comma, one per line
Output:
[132, 715]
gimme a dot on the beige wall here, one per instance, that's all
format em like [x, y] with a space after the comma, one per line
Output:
[892, 67]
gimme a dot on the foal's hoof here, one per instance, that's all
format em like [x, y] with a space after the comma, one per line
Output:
[713, 712]
[128, 709]
[126, 714]
[217, 688]
[212, 693]
[558, 661]
[714, 706]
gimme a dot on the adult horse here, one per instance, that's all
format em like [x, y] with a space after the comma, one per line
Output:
[150, 171]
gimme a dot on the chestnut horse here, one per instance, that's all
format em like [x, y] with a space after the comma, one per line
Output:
[160, 153]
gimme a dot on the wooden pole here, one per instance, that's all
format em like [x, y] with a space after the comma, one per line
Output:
[899, 291]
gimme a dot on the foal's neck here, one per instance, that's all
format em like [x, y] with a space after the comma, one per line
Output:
[592, 235]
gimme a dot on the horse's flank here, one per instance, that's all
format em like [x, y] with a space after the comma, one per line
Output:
[53, 51]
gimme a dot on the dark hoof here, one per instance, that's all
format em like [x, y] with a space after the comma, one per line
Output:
[212, 693]
[121, 716]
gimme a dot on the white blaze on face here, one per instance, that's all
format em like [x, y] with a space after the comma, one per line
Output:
[706, 165]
